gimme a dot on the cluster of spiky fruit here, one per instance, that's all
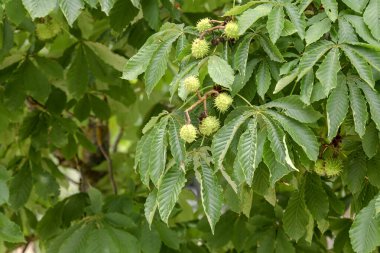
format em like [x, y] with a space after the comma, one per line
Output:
[207, 127]
[329, 167]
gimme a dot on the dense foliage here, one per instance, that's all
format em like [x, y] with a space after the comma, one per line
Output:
[190, 126]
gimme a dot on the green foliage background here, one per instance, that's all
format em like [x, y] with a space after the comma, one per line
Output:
[92, 102]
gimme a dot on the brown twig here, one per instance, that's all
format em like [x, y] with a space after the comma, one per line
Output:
[117, 140]
[218, 27]
[200, 100]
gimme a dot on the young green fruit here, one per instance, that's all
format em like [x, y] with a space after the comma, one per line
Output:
[209, 125]
[199, 48]
[188, 133]
[46, 31]
[333, 167]
[223, 101]
[231, 30]
[203, 24]
[191, 83]
[319, 167]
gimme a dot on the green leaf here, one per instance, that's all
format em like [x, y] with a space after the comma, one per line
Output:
[296, 216]
[122, 13]
[316, 198]
[355, 171]
[371, 56]
[250, 149]
[373, 100]
[125, 241]
[328, 71]
[276, 169]
[272, 51]
[346, 32]
[370, 140]
[211, 193]
[241, 54]
[100, 107]
[106, 5]
[277, 139]
[103, 52]
[296, 18]
[96, 199]
[39, 8]
[356, 5]
[371, 17]
[177, 145]
[249, 17]
[301, 134]
[365, 230]
[223, 138]
[99, 240]
[317, 30]
[331, 9]
[275, 23]
[220, 71]
[168, 237]
[150, 206]
[307, 84]
[71, 9]
[336, 108]
[283, 244]
[77, 74]
[241, 80]
[361, 29]
[263, 79]
[19, 188]
[284, 82]
[240, 8]
[169, 190]
[151, 12]
[10, 231]
[74, 241]
[361, 66]
[312, 55]
[359, 107]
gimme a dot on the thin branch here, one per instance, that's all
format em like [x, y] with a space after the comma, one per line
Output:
[118, 139]
[198, 102]
[218, 27]
[108, 159]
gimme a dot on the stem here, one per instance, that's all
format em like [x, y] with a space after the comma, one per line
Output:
[245, 100]
[210, 86]
[218, 27]
[198, 102]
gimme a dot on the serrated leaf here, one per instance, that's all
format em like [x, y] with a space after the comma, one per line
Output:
[370, 140]
[275, 23]
[317, 30]
[99, 240]
[177, 145]
[271, 49]
[307, 84]
[106, 5]
[316, 198]
[276, 169]
[150, 206]
[361, 66]
[346, 32]
[250, 150]
[296, 18]
[336, 109]
[356, 5]
[241, 80]
[220, 71]
[373, 100]
[10, 231]
[359, 108]
[39, 8]
[365, 230]
[77, 74]
[240, 8]
[169, 190]
[331, 9]
[249, 17]
[19, 188]
[312, 55]
[122, 13]
[151, 12]
[71, 9]
[285, 81]
[295, 217]
[361, 29]
[241, 54]
[263, 79]
[211, 193]
[371, 17]
[301, 134]
[223, 138]
[277, 139]
[327, 72]
[372, 56]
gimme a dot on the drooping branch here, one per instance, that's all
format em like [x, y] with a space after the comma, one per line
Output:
[201, 99]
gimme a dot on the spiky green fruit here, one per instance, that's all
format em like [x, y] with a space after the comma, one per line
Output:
[188, 133]
[209, 125]
[333, 167]
[49, 30]
[223, 101]
[199, 48]
[231, 30]
[203, 24]
[191, 83]
[319, 167]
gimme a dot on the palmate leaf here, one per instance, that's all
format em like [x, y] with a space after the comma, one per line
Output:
[250, 149]
[370, 140]
[106, 5]
[328, 70]
[249, 17]
[177, 145]
[365, 230]
[317, 30]
[150, 206]
[356, 5]
[211, 194]
[358, 106]
[331, 9]
[346, 32]
[373, 100]
[240, 8]
[372, 56]
[169, 190]
[307, 84]
[10, 231]
[241, 54]
[220, 71]
[312, 55]
[275, 23]
[223, 138]
[71, 9]
[371, 17]
[301, 134]
[296, 216]
[276, 169]
[316, 198]
[337, 108]
[39, 8]
[296, 18]
[361, 29]
[270, 49]
[263, 79]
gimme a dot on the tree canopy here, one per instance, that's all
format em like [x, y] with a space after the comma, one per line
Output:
[189, 126]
